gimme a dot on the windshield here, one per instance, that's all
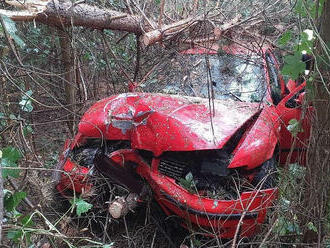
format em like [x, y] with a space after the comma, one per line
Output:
[224, 76]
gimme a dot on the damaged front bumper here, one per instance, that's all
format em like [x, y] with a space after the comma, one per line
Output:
[215, 217]
[73, 178]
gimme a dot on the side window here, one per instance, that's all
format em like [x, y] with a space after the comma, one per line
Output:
[274, 79]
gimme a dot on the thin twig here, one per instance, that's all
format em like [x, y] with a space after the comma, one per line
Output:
[138, 55]
[116, 59]
[161, 13]
[144, 15]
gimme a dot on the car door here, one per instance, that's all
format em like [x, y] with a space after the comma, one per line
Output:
[295, 121]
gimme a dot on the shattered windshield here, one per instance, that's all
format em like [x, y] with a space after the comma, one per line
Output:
[224, 76]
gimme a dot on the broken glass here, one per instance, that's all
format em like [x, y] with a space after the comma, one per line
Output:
[222, 76]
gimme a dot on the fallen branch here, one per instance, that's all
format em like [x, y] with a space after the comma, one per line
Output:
[65, 13]
[58, 13]
[224, 27]
[157, 35]
[122, 205]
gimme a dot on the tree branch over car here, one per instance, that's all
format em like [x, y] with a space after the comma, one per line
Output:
[65, 13]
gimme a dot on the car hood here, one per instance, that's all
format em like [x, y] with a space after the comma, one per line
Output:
[159, 122]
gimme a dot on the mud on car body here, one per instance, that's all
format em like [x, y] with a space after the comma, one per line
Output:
[207, 142]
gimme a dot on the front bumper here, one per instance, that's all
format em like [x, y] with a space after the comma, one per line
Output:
[74, 178]
[215, 217]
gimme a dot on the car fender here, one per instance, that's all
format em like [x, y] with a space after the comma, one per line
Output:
[257, 144]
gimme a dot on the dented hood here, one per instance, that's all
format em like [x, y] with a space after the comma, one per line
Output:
[159, 123]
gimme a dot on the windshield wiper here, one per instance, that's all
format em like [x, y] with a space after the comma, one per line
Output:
[227, 92]
[232, 94]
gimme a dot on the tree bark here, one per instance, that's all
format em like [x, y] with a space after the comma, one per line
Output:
[317, 186]
[69, 74]
[66, 13]
[1, 204]
[156, 35]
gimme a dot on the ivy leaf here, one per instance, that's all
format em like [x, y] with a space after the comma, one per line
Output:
[10, 156]
[11, 29]
[13, 200]
[27, 221]
[294, 127]
[18, 234]
[189, 177]
[27, 130]
[26, 103]
[284, 39]
[81, 206]
[293, 66]
[284, 226]
[188, 183]
[312, 227]
[15, 235]
[305, 45]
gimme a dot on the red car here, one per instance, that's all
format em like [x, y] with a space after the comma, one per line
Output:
[209, 153]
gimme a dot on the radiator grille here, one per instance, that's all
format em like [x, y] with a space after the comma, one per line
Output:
[171, 168]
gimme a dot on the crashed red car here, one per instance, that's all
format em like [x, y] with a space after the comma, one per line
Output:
[207, 143]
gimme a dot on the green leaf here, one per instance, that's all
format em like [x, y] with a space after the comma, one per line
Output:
[108, 245]
[284, 226]
[285, 38]
[305, 44]
[10, 156]
[299, 8]
[3, 121]
[312, 227]
[27, 221]
[11, 202]
[81, 206]
[11, 153]
[294, 127]
[27, 130]
[310, 89]
[320, 9]
[189, 177]
[188, 183]
[293, 66]
[11, 29]
[296, 171]
[18, 234]
[12, 117]
[26, 103]
[15, 235]
[305, 7]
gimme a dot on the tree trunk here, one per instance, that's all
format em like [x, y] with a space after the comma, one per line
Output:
[66, 13]
[69, 75]
[1, 204]
[316, 193]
